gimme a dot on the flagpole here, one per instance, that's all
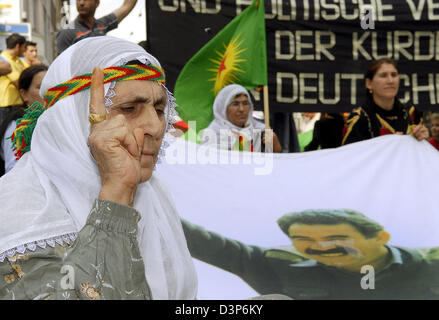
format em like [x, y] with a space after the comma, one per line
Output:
[266, 108]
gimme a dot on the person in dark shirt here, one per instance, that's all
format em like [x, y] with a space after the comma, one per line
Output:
[330, 249]
[85, 25]
[382, 113]
[328, 132]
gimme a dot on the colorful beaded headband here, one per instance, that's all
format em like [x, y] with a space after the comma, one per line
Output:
[22, 136]
[83, 82]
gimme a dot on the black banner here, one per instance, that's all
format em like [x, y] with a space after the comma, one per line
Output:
[317, 50]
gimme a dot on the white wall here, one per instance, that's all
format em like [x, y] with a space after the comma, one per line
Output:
[10, 15]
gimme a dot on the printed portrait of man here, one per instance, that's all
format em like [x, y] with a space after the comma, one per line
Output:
[335, 254]
[339, 238]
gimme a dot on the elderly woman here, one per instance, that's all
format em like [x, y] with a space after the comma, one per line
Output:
[234, 127]
[83, 214]
[382, 112]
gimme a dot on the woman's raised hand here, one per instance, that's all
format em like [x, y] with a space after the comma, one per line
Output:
[116, 148]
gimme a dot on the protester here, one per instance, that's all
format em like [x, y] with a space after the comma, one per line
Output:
[85, 25]
[233, 127]
[327, 132]
[329, 249]
[90, 176]
[434, 140]
[9, 94]
[29, 85]
[5, 68]
[30, 55]
[382, 112]
[304, 124]
[304, 121]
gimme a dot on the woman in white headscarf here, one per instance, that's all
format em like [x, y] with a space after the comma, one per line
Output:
[83, 215]
[233, 127]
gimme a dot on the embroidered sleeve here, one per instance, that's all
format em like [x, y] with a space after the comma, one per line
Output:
[358, 127]
[104, 262]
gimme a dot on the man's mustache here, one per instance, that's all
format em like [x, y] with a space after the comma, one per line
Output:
[336, 250]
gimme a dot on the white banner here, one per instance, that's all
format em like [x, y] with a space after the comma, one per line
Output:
[393, 180]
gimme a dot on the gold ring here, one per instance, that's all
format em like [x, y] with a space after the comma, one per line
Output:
[96, 118]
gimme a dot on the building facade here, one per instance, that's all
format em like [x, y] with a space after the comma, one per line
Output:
[41, 18]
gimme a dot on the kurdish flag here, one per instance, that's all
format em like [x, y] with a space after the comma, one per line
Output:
[237, 54]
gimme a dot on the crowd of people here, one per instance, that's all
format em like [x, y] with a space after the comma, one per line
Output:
[91, 203]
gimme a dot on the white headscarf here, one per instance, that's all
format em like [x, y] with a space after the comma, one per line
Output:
[226, 140]
[48, 195]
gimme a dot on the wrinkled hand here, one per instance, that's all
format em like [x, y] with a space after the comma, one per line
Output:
[116, 149]
[420, 132]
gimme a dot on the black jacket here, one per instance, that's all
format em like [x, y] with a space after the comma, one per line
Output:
[370, 121]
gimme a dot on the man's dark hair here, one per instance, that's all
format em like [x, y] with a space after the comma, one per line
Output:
[30, 43]
[374, 66]
[13, 40]
[367, 227]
